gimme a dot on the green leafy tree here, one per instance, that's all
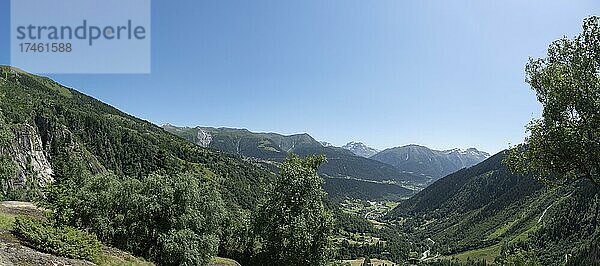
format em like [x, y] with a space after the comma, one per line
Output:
[7, 166]
[565, 142]
[172, 220]
[236, 235]
[292, 224]
[518, 254]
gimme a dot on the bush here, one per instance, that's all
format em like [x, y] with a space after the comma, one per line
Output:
[63, 241]
[171, 220]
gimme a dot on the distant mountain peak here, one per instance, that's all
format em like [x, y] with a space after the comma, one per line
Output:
[326, 144]
[419, 159]
[470, 152]
[360, 149]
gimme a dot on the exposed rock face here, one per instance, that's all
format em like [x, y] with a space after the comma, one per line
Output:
[203, 138]
[466, 158]
[326, 144]
[31, 160]
[430, 163]
[360, 149]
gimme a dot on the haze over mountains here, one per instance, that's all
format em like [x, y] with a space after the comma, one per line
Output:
[420, 160]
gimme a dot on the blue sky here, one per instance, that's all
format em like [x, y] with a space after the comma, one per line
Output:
[439, 73]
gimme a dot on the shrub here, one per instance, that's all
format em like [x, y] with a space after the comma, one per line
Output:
[63, 241]
[171, 220]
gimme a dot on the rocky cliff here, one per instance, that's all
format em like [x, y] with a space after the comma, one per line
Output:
[28, 155]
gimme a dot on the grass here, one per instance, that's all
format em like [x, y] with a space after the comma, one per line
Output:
[357, 238]
[7, 221]
[489, 254]
[361, 207]
[392, 204]
[114, 261]
[374, 262]
[114, 257]
[218, 261]
[502, 230]
[525, 234]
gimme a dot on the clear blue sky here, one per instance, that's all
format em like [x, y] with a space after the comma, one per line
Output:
[439, 73]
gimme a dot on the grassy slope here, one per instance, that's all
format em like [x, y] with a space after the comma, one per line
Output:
[473, 212]
[374, 262]
[223, 262]
[487, 253]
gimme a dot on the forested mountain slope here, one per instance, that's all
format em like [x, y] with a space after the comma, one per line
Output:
[341, 188]
[470, 188]
[51, 134]
[62, 132]
[487, 208]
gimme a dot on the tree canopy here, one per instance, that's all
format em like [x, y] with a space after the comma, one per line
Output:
[293, 224]
[565, 141]
[172, 220]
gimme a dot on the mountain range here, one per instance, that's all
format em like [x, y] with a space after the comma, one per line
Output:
[360, 149]
[411, 166]
[272, 148]
[432, 164]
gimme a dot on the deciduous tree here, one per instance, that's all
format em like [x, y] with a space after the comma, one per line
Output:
[565, 141]
[293, 225]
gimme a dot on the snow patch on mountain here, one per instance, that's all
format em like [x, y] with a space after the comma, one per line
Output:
[360, 149]
[473, 152]
[326, 144]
